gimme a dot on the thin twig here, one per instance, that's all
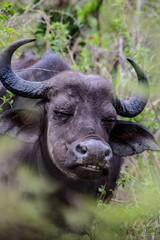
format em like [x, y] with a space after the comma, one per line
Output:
[156, 102]
[157, 117]
[36, 5]
[71, 55]
[119, 201]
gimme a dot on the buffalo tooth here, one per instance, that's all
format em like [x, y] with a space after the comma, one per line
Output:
[93, 167]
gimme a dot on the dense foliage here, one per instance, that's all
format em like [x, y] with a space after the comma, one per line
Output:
[94, 36]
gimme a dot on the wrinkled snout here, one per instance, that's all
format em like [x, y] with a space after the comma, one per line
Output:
[89, 158]
[93, 151]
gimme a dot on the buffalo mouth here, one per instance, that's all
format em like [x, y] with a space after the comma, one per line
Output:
[89, 171]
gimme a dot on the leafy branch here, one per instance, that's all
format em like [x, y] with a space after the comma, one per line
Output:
[8, 98]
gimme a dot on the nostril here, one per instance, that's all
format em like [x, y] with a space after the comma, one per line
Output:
[81, 149]
[107, 153]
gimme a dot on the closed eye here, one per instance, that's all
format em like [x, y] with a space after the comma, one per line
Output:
[112, 120]
[63, 113]
[108, 123]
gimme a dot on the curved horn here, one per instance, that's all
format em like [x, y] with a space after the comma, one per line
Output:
[12, 81]
[136, 103]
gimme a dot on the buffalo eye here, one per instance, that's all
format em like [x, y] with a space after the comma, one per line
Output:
[108, 123]
[62, 115]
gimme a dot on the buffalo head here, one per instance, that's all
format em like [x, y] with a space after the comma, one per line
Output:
[80, 133]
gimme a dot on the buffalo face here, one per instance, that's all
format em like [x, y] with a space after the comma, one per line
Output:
[80, 116]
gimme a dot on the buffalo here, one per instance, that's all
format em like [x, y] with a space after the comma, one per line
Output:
[67, 122]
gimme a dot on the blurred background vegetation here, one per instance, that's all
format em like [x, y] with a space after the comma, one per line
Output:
[93, 36]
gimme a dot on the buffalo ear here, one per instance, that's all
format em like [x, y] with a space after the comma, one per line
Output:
[129, 138]
[22, 123]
